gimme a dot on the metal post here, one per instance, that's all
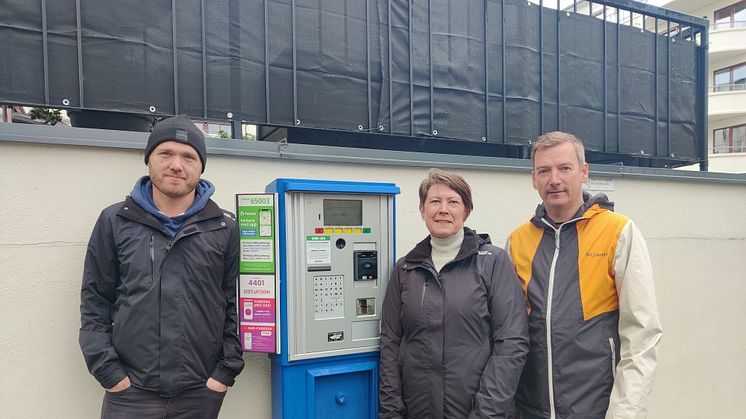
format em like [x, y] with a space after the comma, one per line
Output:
[79, 24]
[504, 79]
[657, 152]
[668, 89]
[702, 94]
[174, 53]
[204, 60]
[603, 78]
[486, 74]
[296, 121]
[430, 59]
[367, 62]
[236, 130]
[541, 66]
[411, 85]
[236, 110]
[391, 77]
[559, 84]
[618, 82]
[45, 49]
[7, 114]
[266, 60]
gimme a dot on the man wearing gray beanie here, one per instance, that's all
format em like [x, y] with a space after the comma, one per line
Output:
[158, 300]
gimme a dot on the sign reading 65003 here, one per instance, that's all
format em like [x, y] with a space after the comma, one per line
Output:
[260, 200]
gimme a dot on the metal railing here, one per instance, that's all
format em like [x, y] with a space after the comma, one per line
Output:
[726, 149]
[731, 87]
[718, 26]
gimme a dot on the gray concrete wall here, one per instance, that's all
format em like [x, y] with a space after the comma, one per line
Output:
[52, 194]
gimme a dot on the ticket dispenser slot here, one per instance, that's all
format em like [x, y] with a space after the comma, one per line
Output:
[337, 252]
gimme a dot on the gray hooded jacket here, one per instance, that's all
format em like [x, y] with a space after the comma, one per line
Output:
[453, 342]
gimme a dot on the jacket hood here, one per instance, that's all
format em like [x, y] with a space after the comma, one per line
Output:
[142, 194]
[423, 250]
[592, 205]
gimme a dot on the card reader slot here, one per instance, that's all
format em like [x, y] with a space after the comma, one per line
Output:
[319, 268]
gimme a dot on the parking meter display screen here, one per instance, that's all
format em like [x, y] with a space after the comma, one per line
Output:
[343, 212]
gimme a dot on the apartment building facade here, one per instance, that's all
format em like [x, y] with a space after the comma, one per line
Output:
[727, 79]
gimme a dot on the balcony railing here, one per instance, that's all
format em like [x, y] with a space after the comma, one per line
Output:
[728, 87]
[717, 26]
[726, 149]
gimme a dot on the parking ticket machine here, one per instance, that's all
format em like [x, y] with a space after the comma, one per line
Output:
[336, 251]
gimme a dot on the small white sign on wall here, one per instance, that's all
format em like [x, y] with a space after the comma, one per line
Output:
[600, 184]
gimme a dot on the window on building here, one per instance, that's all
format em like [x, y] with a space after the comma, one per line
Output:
[739, 77]
[733, 16]
[730, 78]
[729, 140]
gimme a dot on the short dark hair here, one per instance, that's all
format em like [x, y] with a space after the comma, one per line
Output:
[555, 138]
[450, 179]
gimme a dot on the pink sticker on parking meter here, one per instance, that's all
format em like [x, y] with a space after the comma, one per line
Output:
[257, 312]
[258, 338]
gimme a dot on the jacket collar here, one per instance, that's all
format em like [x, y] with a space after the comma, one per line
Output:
[134, 212]
[592, 205]
[421, 254]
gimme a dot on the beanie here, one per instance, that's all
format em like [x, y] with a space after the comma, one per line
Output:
[180, 129]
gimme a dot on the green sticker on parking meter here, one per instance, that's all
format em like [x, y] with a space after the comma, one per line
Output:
[256, 224]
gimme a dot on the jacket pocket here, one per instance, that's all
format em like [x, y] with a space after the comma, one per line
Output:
[612, 346]
[422, 298]
[152, 258]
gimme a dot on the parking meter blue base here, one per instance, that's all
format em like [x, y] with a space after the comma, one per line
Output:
[339, 387]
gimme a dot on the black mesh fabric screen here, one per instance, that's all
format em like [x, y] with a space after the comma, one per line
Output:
[451, 69]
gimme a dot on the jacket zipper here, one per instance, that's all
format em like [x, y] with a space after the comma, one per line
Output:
[437, 279]
[550, 375]
[613, 358]
[442, 322]
[152, 258]
[550, 293]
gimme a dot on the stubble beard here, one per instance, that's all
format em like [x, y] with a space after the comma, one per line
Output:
[174, 192]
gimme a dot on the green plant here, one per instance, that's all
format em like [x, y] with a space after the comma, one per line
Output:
[48, 115]
[223, 134]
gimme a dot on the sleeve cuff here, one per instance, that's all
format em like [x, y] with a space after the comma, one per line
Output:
[223, 375]
[113, 379]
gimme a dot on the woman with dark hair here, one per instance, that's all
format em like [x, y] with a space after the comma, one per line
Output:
[454, 334]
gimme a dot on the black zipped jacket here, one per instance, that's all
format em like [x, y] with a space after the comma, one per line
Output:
[453, 343]
[161, 310]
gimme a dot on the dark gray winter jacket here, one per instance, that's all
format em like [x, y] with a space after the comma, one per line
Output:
[159, 310]
[452, 343]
